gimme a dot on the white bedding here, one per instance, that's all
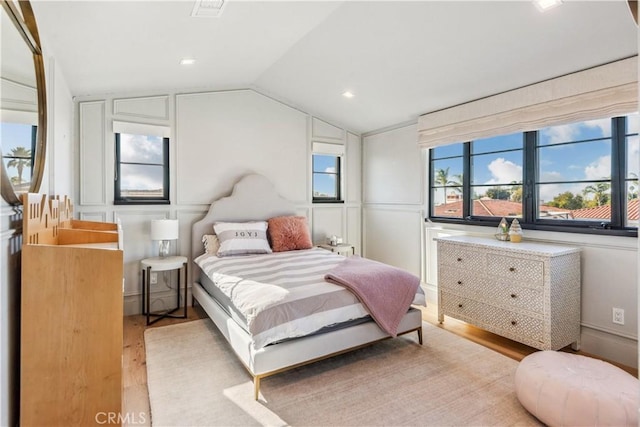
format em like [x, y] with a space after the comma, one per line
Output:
[284, 295]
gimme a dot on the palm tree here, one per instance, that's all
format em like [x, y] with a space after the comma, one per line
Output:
[599, 191]
[442, 178]
[20, 158]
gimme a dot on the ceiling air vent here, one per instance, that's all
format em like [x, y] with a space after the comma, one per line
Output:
[208, 8]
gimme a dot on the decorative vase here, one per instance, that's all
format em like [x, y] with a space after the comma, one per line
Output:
[515, 231]
[503, 230]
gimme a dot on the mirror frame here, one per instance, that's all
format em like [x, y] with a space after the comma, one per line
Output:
[25, 22]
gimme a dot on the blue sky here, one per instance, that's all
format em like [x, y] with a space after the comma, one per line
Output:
[15, 135]
[322, 183]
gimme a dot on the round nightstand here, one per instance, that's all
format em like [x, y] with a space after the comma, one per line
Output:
[343, 249]
[158, 264]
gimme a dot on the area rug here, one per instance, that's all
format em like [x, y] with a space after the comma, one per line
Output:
[194, 379]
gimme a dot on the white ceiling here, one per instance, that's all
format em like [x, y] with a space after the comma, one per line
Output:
[400, 59]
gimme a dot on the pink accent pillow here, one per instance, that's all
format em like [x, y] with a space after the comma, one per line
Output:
[289, 233]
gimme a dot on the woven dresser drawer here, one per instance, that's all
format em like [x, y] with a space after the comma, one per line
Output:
[517, 326]
[514, 298]
[462, 258]
[462, 308]
[527, 272]
[528, 292]
[514, 325]
[459, 281]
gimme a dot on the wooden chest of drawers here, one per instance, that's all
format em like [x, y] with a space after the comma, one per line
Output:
[527, 292]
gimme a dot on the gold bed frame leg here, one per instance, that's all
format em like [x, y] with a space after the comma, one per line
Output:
[420, 335]
[256, 387]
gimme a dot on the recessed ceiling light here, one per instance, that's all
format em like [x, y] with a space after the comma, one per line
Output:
[544, 5]
[187, 61]
[348, 94]
[208, 8]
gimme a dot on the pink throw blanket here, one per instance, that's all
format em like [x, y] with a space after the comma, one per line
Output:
[386, 292]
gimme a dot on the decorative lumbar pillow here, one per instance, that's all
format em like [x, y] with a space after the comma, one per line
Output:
[288, 233]
[241, 238]
[211, 243]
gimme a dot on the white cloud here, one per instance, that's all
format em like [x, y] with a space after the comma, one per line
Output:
[561, 133]
[603, 124]
[599, 169]
[141, 148]
[331, 169]
[569, 132]
[504, 171]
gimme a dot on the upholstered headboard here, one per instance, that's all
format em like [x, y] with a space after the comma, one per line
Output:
[254, 198]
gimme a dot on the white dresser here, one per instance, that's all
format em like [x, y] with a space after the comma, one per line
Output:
[527, 292]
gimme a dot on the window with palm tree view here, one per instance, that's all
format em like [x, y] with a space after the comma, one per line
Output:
[18, 147]
[578, 175]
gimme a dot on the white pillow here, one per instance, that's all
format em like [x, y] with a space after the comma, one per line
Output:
[211, 243]
[241, 238]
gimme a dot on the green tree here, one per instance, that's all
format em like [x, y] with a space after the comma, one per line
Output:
[442, 179]
[21, 159]
[516, 192]
[600, 191]
[567, 200]
[498, 193]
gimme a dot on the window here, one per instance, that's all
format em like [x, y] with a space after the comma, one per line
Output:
[580, 177]
[446, 180]
[18, 150]
[142, 169]
[496, 176]
[326, 178]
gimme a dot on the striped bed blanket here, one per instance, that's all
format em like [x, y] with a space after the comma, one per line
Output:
[284, 295]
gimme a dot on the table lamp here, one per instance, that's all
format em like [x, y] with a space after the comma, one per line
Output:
[164, 230]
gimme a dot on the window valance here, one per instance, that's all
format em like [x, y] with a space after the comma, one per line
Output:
[603, 91]
[326, 148]
[141, 129]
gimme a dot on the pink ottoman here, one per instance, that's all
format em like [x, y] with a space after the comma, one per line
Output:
[563, 389]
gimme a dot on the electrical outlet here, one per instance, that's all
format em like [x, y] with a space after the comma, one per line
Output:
[618, 315]
[153, 279]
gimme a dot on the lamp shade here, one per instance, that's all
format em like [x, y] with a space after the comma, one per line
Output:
[164, 229]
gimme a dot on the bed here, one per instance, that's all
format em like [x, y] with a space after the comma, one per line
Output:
[254, 198]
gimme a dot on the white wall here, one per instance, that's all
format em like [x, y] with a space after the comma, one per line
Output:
[393, 205]
[216, 138]
[56, 180]
[394, 182]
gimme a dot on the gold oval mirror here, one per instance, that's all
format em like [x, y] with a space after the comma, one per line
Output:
[23, 115]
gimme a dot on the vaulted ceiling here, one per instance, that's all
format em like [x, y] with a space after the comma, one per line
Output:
[399, 59]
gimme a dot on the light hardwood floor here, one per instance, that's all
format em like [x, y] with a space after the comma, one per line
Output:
[136, 396]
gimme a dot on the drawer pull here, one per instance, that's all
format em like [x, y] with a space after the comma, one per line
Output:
[514, 296]
[514, 323]
[459, 259]
[512, 269]
[459, 282]
[459, 305]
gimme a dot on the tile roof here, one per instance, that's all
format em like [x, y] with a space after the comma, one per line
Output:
[604, 212]
[507, 208]
[481, 207]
